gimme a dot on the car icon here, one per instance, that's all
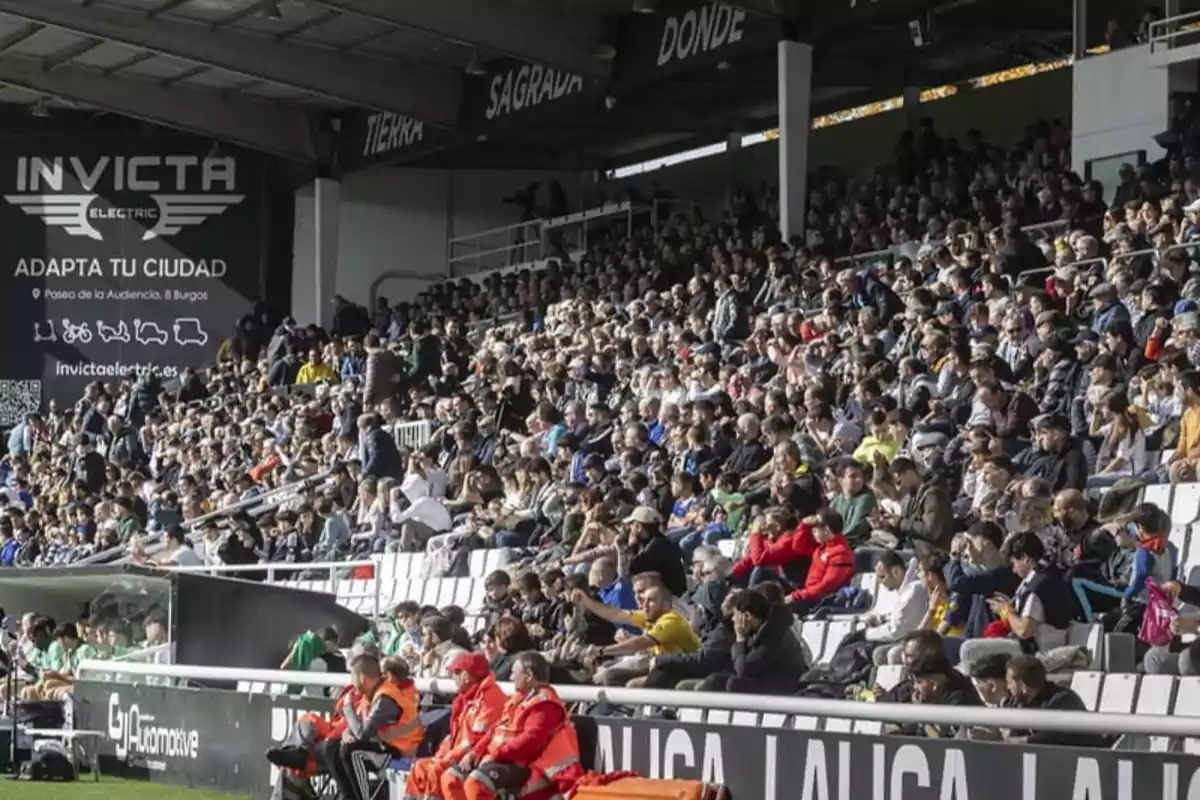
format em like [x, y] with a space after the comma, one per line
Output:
[149, 333]
[109, 334]
[188, 331]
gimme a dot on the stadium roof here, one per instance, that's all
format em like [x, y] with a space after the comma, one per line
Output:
[528, 83]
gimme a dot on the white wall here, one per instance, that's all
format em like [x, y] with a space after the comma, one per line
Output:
[1121, 102]
[400, 220]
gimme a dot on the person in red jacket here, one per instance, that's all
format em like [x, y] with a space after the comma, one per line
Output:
[778, 549]
[832, 563]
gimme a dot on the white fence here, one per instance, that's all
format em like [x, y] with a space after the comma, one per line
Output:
[898, 713]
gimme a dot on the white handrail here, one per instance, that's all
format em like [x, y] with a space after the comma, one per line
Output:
[900, 713]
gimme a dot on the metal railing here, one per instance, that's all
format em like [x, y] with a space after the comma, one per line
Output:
[497, 247]
[1164, 34]
[573, 228]
[294, 570]
[898, 713]
[413, 435]
[266, 500]
[1051, 229]
[476, 330]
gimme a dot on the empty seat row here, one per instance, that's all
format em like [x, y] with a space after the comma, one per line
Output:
[398, 566]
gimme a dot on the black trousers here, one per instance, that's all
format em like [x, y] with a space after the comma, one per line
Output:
[353, 765]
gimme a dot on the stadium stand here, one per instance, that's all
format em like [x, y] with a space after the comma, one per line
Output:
[966, 406]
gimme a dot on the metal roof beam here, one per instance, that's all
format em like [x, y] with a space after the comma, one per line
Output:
[568, 41]
[430, 95]
[266, 127]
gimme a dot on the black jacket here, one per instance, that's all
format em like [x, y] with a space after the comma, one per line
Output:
[929, 522]
[659, 554]
[425, 360]
[380, 458]
[959, 691]
[771, 661]
[1053, 697]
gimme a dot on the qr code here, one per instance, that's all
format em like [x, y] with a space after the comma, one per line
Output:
[18, 398]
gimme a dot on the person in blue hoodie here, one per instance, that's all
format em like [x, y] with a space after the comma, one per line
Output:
[8, 545]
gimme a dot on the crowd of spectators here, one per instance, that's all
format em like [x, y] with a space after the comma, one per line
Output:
[943, 417]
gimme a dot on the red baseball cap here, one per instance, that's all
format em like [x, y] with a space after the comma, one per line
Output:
[474, 664]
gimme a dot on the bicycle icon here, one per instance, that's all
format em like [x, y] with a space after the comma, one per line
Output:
[76, 333]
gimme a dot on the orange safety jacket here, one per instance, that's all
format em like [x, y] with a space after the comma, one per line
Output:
[561, 754]
[406, 734]
[474, 721]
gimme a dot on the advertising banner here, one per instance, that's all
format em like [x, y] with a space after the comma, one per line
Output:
[368, 138]
[121, 255]
[198, 738]
[518, 93]
[655, 47]
[213, 739]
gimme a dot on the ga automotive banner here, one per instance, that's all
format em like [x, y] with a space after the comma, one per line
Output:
[121, 254]
[215, 739]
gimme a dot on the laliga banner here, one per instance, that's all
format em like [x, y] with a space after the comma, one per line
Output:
[121, 257]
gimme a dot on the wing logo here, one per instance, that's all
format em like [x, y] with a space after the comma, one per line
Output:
[66, 211]
[175, 211]
[179, 211]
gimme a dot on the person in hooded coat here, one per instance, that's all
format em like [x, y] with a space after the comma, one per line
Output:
[766, 657]
[379, 378]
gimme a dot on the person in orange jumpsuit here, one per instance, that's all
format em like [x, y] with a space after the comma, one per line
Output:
[532, 753]
[476, 710]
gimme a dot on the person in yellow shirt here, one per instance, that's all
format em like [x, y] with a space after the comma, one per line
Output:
[315, 370]
[1182, 465]
[663, 630]
[880, 441]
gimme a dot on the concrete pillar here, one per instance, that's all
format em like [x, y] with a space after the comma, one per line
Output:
[795, 122]
[732, 149]
[327, 201]
[912, 107]
[315, 250]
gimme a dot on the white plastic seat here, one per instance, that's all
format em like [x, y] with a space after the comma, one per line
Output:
[867, 582]
[1154, 697]
[1118, 693]
[478, 564]
[429, 596]
[1187, 704]
[462, 593]
[1185, 503]
[803, 723]
[728, 548]
[839, 725]
[446, 589]
[887, 676]
[747, 719]
[695, 715]
[477, 597]
[1087, 686]
[1159, 494]
[493, 560]
[413, 588]
[836, 632]
[812, 634]
[1081, 634]
[718, 716]
[773, 720]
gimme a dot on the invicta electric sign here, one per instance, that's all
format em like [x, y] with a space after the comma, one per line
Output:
[183, 191]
